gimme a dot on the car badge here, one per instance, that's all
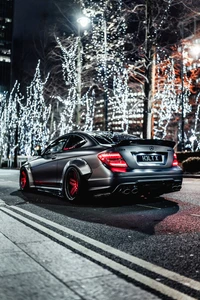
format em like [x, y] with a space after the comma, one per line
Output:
[151, 148]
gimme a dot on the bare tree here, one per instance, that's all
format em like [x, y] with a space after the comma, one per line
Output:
[151, 26]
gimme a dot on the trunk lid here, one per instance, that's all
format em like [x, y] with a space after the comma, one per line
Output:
[147, 154]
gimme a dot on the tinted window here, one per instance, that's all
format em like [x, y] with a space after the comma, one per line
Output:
[102, 139]
[55, 147]
[75, 141]
[113, 137]
[123, 136]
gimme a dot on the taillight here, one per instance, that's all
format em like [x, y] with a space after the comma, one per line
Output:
[175, 161]
[114, 161]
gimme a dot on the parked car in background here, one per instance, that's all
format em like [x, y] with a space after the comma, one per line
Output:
[103, 163]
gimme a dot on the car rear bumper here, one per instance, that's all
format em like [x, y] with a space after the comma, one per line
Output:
[140, 182]
[156, 187]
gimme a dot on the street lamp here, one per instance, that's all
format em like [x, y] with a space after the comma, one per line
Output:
[82, 23]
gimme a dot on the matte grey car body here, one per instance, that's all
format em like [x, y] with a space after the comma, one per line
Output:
[104, 163]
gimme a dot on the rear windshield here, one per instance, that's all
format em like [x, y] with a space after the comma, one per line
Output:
[103, 139]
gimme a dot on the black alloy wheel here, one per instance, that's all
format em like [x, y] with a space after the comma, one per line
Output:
[72, 184]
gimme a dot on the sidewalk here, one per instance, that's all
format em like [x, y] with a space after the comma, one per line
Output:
[191, 175]
[33, 266]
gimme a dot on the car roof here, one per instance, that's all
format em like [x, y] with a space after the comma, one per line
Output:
[108, 136]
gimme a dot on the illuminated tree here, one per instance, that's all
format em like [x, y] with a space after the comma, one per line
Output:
[167, 99]
[121, 44]
[69, 100]
[9, 123]
[157, 25]
[126, 44]
[104, 59]
[34, 116]
[177, 88]
[3, 128]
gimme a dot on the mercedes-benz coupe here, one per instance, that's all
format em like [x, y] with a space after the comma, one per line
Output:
[103, 163]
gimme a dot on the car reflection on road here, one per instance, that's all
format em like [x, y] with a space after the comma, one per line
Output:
[138, 214]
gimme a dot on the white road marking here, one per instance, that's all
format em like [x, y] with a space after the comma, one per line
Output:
[148, 206]
[135, 260]
[108, 262]
[194, 215]
[2, 202]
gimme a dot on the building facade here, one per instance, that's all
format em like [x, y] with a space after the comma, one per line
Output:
[6, 29]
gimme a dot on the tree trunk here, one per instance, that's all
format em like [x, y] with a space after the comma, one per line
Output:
[149, 71]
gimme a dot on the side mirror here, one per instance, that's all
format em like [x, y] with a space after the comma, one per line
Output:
[37, 151]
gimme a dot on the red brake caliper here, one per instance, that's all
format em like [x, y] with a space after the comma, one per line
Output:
[23, 179]
[74, 186]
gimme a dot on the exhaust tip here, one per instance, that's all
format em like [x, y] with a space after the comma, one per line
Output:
[134, 190]
[176, 188]
[126, 191]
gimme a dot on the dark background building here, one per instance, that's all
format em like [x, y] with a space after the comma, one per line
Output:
[6, 29]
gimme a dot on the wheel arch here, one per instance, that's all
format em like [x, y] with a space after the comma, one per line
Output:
[84, 171]
[29, 173]
[80, 164]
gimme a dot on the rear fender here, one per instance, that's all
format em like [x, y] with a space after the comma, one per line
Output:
[81, 165]
[29, 173]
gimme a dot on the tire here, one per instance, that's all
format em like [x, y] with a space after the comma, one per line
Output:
[72, 184]
[23, 180]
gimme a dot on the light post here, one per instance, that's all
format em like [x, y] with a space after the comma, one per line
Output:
[149, 48]
[82, 23]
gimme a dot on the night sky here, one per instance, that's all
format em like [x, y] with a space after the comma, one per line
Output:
[28, 15]
[33, 20]
[31, 14]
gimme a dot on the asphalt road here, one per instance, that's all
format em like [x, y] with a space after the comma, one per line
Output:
[139, 234]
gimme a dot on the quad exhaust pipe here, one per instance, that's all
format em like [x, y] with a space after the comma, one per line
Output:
[134, 189]
[127, 191]
[176, 187]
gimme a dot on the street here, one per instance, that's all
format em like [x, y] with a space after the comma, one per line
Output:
[116, 248]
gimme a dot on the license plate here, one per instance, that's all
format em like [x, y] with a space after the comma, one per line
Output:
[145, 158]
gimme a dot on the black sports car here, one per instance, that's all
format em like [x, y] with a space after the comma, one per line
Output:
[104, 163]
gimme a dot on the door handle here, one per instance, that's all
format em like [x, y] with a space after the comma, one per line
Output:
[53, 157]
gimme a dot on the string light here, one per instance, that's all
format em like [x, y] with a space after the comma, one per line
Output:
[29, 115]
[34, 115]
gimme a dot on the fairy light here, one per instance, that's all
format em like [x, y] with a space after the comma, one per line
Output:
[34, 115]
[9, 121]
[88, 113]
[105, 51]
[69, 102]
[167, 99]
[3, 127]
[108, 28]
